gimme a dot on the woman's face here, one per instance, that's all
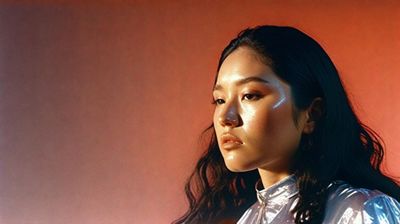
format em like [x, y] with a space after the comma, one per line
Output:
[254, 105]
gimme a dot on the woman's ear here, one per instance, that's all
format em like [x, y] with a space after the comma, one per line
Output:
[313, 114]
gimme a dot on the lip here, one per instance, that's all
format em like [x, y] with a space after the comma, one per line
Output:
[230, 141]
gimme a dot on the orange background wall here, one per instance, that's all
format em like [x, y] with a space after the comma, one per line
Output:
[101, 106]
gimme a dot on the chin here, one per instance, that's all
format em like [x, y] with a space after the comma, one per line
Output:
[238, 168]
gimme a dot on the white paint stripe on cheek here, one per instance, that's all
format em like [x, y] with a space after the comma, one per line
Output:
[282, 94]
[279, 102]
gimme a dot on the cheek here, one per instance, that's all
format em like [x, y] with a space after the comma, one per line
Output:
[217, 127]
[260, 125]
[271, 130]
[215, 119]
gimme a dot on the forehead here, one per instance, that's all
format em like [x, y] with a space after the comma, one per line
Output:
[243, 63]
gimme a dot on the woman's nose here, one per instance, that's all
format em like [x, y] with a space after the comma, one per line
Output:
[229, 117]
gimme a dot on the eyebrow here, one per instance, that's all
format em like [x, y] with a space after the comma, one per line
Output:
[242, 82]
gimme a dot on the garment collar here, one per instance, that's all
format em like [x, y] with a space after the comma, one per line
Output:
[285, 188]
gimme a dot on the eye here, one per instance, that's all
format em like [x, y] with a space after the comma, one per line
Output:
[217, 101]
[251, 96]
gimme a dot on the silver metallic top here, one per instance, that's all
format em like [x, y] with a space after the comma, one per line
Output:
[345, 204]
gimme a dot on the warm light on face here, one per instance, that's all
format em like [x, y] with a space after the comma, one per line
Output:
[254, 105]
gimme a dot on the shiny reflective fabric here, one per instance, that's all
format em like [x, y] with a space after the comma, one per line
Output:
[345, 204]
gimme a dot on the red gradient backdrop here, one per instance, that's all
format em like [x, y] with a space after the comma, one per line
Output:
[102, 105]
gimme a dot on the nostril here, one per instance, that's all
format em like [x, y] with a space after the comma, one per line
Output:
[229, 121]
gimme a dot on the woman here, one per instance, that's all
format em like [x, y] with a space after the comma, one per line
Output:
[286, 145]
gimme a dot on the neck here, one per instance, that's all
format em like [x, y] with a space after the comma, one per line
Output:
[269, 178]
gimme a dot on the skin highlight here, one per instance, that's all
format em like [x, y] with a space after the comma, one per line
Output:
[260, 114]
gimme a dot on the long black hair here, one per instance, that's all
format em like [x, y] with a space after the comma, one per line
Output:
[342, 147]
